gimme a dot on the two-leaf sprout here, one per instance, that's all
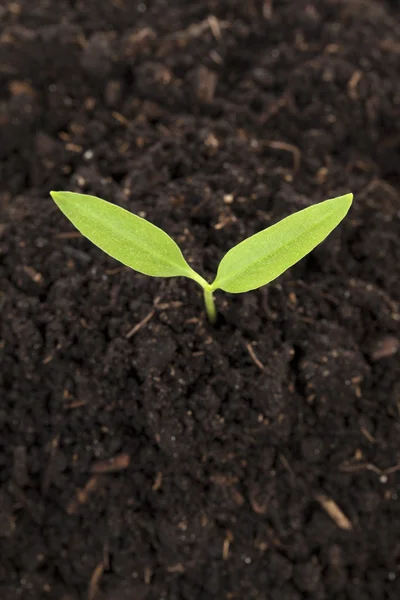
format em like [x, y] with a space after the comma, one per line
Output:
[256, 261]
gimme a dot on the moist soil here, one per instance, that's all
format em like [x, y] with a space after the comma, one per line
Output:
[144, 454]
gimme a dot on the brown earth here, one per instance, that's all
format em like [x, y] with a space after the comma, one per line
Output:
[259, 459]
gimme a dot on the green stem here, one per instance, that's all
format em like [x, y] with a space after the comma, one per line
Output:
[210, 305]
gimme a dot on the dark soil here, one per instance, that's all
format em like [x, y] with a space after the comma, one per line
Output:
[259, 459]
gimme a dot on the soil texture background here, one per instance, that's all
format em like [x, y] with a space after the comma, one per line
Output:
[145, 455]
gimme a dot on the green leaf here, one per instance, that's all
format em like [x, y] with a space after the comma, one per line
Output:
[265, 255]
[130, 239]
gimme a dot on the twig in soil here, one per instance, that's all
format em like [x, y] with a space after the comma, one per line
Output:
[115, 271]
[383, 473]
[197, 29]
[353, 83]
[335, 513]
[361, 467]
[287, 466]
[75, 148]
[95, 580]
[82, 495]
[142, 323]
[68, 235]
[76, 404]
[224, 220]
[174, 305]
[391, 470]
[141, 35]
[294, 150]
[120, 118]
[178, 568]
[111, 465]
[157, 482]
[260, 508]
[226, 545]
[50, 466]
[217, 58]
[368, 435]
[215, 27]
[254, 356]
[147, 575]
[33, 274]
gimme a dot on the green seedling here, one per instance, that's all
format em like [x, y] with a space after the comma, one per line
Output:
[256, 261]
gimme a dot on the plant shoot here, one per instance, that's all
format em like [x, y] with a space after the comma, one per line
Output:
[254, 262]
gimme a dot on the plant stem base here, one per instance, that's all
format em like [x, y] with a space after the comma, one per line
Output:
[210, 306]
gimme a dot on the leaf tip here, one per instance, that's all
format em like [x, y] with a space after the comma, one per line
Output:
[57, 196]
[65, 200]
[347, 200]
[342, 204]
[349, 197]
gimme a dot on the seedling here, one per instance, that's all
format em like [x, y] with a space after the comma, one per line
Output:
[256, 261]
